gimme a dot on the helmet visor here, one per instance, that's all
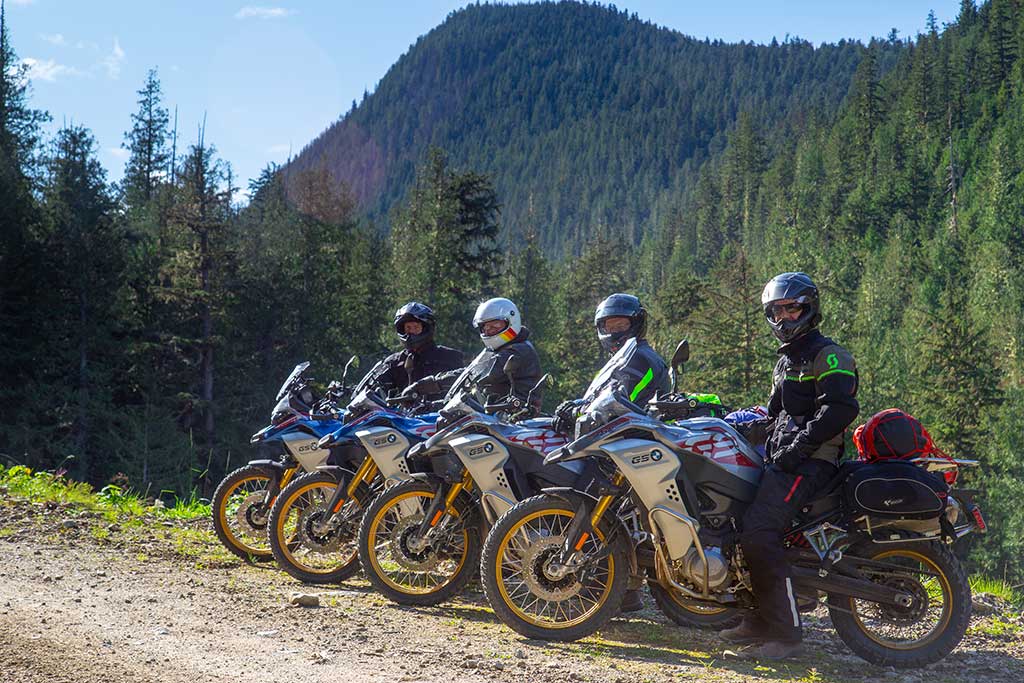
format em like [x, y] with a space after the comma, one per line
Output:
[787, 309]
[489, 328]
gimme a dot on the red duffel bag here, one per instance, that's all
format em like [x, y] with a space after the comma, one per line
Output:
[894, 435]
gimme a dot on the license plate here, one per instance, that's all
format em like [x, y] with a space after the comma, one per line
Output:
[979, 520]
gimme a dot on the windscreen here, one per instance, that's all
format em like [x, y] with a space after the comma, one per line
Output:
[618, 361]
[299, 369]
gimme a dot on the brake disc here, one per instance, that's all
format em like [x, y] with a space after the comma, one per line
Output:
[252, 513]
[312, 539]
[536, 559]
[417, 561]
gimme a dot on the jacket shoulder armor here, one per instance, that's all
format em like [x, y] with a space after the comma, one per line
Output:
[834, 360]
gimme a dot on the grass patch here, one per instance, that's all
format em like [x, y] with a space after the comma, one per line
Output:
[202, 547]
[998, 627]
[114, 503]
[996, 587]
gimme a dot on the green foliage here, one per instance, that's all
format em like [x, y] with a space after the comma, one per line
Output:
[144, 331]
[590, 121]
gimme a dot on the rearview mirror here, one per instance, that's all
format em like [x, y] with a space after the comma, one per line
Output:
[353, 362]
[682, 353]
[680, 357]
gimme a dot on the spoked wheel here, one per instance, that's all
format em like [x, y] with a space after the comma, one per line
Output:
[692, 613]
[536, 596]
[912, 635]
[240, 512]
[404, 566]
[308, 542]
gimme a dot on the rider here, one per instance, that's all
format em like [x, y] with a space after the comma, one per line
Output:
[502, 331]
[642, 375]
[415, 325]
[619, 318]
[813, 401]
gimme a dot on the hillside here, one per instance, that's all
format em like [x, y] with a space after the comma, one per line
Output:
[590, 120]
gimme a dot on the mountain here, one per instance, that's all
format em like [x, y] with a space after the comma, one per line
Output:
[590, 120]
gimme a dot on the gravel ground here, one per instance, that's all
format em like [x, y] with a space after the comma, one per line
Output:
[85, 600]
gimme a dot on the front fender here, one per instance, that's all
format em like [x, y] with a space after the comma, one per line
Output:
[271, 464]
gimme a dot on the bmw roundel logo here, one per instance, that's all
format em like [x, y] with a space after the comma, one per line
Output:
[488, 447]
[655, 455]
[392, 438]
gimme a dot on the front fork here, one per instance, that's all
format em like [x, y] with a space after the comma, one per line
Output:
[345, 492]
[279, 482]
[585, 521]
[442, 505]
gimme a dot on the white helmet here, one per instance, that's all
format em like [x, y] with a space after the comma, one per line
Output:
[498, 309]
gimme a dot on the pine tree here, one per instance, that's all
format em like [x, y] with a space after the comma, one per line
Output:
[193, 280]
[85, 246]
[445, 249]
[146, 143]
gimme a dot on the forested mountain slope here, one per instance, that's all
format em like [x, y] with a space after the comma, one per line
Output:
[588, 119]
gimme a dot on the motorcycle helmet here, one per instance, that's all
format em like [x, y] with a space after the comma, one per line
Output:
[421, 313]
[800, 288]
[624, 305]
[498, 309]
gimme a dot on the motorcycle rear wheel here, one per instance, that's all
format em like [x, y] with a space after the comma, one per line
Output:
[921, 633]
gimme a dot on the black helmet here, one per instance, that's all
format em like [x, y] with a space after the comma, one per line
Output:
[625, 305]
[800, 287]
[422, 313]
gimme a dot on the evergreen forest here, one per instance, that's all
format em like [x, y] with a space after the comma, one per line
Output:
[551, 153]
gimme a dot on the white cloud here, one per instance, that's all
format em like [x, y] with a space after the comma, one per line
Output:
[54, 39]
[276, 150]
[118, 152]
[112, 62]
[47, 69]
[250, 12]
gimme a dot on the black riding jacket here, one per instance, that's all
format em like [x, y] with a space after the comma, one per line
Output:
[405, 367]
[496, 384]
[645, 375]
[814, 397]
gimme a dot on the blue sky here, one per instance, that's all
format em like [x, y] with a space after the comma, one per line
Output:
[270, 76]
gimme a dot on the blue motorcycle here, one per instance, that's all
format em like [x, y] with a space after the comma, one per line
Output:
[314, 522]
[286, 447]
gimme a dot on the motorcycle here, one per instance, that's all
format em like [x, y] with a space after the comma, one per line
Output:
[287, 445]
[419, 542]
[314, 521]
[555, 565]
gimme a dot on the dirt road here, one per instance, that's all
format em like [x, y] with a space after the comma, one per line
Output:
[85, 600]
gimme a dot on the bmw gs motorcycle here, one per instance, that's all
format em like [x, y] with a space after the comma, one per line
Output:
[874, 545]
[314, 521]
[286, 446]
[419, 542]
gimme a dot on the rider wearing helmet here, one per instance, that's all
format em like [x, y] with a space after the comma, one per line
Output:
[415, 325]
[813, 401]
[502, 331]
[644, 374]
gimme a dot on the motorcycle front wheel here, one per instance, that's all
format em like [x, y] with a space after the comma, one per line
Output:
[309, 542]
[405, 568]
[539, 601]
[240, 512]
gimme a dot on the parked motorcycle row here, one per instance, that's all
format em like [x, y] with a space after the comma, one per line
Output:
[425, 497]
